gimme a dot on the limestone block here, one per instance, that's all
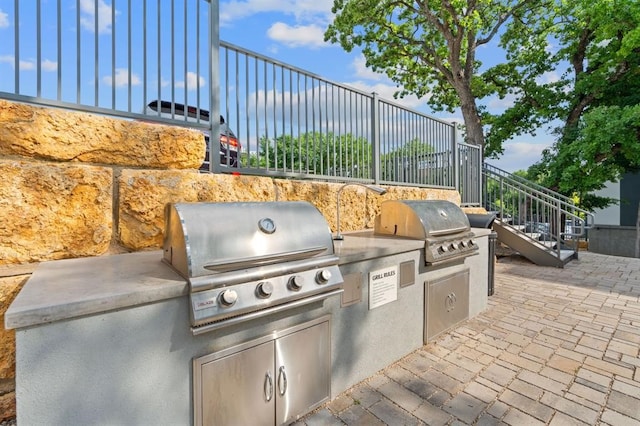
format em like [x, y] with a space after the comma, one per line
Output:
[320, 194]
[9, 288]
[143, 195]
[53, 211]
[54, 134]
[7, 406]
[358, 206]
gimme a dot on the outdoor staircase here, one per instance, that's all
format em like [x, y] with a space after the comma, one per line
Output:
[542, 225]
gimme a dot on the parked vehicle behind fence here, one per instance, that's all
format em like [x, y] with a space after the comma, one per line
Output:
[229, 144]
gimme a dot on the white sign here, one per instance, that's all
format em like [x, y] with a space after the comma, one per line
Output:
[383, 286]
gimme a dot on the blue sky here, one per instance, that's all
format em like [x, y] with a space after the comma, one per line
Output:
[290, 31]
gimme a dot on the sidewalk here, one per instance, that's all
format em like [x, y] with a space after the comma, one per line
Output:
[555, 346]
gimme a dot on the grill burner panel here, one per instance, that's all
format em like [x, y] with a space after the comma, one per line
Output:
[243, 260]
[441, 224]
[224, 302]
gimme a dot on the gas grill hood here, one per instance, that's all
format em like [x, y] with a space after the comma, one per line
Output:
[441, 224]
[420, 219]
[205, 239]
[247, 260]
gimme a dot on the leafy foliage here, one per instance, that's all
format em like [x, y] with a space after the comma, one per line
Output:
[428, 47]
[321, 153]
[589, 83]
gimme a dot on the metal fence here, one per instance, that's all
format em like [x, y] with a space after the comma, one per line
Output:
[120, 58]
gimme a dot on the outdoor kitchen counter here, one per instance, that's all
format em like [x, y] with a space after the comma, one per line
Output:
[364, 245]
[64, 289]
[69, 288]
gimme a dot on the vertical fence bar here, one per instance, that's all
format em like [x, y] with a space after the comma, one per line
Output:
[16, 42]
[96, 57]
[173, 62]
[186, 67]
[59, 53]
[113, 55]
[129, 61]
[212, 116]
[38, 48]
[375, 138]
[78, 52]
[159, 51]
[214, 92]
[144, 54]
[456, 163]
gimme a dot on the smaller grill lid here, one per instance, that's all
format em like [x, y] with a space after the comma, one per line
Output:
[420, 219]
[203, 239]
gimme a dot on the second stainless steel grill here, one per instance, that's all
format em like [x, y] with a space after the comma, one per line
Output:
[246, 260]
[442, 225]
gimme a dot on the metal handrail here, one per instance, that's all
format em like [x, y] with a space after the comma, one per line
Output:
[523, 205]
[542, 189]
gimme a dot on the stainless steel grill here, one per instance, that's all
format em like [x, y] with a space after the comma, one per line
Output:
[442, 225]
[247, 260]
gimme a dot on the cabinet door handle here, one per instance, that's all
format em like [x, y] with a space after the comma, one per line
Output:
[282, 381]
[268, 386]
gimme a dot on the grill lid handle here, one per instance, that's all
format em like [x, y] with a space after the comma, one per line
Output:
[268, 259]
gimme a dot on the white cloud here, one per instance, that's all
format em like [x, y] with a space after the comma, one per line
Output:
[29, 65]
[501, 104]
[122, 78]
[48, 65]
[193, 82]
[386, 91]
[359, 64]
[519, 155]
[302, 10]
[88, 16]
[549, 77]
[4, 20]
[297, 36]
[7, 59]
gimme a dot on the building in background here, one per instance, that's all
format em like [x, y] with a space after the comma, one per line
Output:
[615, 227]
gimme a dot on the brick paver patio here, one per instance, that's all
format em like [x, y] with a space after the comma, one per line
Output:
[555, 346]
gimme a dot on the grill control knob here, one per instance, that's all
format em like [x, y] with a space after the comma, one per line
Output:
[296, 282]
[453, 246]
[323, 276]
[265, 289]
[463, 244]
[443, 249]
[228, 297]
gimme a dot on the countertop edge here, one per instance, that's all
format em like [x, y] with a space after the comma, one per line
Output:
[119, 290]
[70, 288]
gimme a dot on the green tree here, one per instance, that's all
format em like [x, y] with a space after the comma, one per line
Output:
[413, 162]
[595, 96]
[429, 47]
[314, 152]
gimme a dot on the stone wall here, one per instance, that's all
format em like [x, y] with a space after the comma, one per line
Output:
[77, 185]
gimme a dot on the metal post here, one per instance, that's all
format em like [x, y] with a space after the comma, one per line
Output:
[558, 227]
[456, 163]
[375, 138]
[214, 81]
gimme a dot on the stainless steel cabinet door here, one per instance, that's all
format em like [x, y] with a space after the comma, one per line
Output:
[447, 303]
[239, 389]
[303, 372]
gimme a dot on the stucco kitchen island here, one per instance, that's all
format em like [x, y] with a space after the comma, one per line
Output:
[107, 339]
